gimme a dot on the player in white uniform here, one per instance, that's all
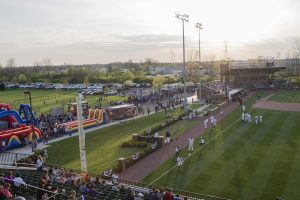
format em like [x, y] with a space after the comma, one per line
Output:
[212, 119]
[191, 145]
[179, 161]
[243, 117]
[244, 108]
[256, 119]
[215, 123]
[249, 118]
[260, 119]
[205, 123]
[202, 140]
[221, 112]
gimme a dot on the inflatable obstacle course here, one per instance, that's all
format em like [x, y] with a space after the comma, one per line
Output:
[14, 130]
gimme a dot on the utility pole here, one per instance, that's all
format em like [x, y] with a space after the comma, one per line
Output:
[183, 18]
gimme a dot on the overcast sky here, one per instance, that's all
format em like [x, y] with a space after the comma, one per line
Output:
[98, 31]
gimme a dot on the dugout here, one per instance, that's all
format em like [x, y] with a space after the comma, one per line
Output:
[236, 94]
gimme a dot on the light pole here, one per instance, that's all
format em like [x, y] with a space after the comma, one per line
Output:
[29, 94]
[168, 91]
[199, 26]
[183, 18]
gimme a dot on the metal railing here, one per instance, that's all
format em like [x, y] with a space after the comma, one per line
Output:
[7, 158]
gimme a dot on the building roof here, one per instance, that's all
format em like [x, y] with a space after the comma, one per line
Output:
[253, 70]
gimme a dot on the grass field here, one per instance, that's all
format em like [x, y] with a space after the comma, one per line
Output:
[104, 146]
[52, 98]
[289, 97]
[243, 161]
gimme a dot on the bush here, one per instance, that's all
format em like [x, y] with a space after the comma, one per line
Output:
[132, 143]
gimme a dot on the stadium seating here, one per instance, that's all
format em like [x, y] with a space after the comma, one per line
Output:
[32, 177]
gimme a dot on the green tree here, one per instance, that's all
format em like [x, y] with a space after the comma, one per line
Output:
[127, 76]
[22, 78]
[158, 82]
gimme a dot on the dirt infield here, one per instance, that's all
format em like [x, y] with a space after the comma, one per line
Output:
[272, 105]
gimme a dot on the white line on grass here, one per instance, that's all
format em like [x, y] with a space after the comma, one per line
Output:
[205, 143]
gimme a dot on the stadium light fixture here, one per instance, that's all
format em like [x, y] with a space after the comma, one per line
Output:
[199, 26]
[183, 18]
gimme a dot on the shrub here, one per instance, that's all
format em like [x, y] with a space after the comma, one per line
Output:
[132, 143]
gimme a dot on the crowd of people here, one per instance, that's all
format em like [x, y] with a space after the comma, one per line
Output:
[79, 187]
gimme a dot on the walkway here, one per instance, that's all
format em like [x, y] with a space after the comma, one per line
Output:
[144, 167]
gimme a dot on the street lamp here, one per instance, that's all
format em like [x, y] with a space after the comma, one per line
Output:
[168, 91]
[183, 18]
[29, 94]
[199, 26]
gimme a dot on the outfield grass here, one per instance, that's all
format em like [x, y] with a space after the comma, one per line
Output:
[244, 161]
[51, 97]
[289, 97]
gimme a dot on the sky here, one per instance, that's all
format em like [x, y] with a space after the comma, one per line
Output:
[98, 31]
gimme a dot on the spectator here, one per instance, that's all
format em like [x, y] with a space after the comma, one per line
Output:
[83, 189]
[139, 196]
[44, 155]
[9, 178]
[115, 188]
[154, 195]
[177, 197]
[72, 195]
[129, 195]
[93, 193]
[168, 195]
[5, 191]
[39, 164]
[18, 180]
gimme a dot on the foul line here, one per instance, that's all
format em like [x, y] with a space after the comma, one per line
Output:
[199, 149]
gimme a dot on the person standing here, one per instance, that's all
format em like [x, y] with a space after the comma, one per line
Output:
[260, 119]
[212, 120]
[39, 163]
[243, 117]
[205, 123]
[191, 145]
[244, 108]
[221, 112]
[168, 137]
[249, 118]
[256, 119]
[33, 141]
[215, 123]
[177, 149]
[148, 110]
